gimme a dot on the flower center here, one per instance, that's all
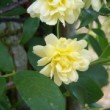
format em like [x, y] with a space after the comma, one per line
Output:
[62, 63]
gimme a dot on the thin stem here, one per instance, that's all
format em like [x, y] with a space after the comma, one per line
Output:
[12, 6]
[58, 33]
[12, 19]
[101, 61]
[8, 75]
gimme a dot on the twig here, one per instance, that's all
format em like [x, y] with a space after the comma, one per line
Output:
[107, 15]
[12, 6]
[10, 85]
[12, 19]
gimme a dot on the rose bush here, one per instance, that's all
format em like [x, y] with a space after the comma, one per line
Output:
[60, 63]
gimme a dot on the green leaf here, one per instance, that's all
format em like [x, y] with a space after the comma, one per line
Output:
[4, 103]
[95, 105]
[29, 29]
[81, 36]
[2, 86]
[15, 12]
[33, 60]
[103, 61]
[87, 17]
[104, 11]
[103, 42]
[95, 45]
[104, 57]
[35, 41]
[107, 109]
[85, 90]
[106, 52]
[38, 91]
[3, 3]
[6, 62]
[46, 29]
[31, 56]
[98, 73]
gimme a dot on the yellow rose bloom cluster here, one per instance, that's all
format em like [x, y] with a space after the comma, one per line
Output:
[96, 4]
[50, 11]
[62, 58]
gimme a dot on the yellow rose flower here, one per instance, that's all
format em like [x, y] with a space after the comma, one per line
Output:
[50, 11]
[62, 58]
[96, 4]
[106, 27]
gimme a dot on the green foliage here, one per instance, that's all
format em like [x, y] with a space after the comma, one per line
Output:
[95, 45]
[33, 60]
[87, 17]
[95, 105]
[104, 57]
[104, 11]
[31, 87]
[106, 52]
[4, 3]
[31, 56]
[29, 29]
[17, 11]
[2, 86]
[85, 90]
[81, 36]
[98, 73]
[101, 38]
[38, 91]
[6, 62]
[4, 103]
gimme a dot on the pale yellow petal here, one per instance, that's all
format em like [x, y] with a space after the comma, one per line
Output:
[70, 18]
[50, 20]
[49, 50]
[32, 8]
[83, 65]
[86, 54]
[63, 76]
[62, 20]
[46, 70]
[52, 72]
[76, 65]
[51, 39]
[82, 43]
[96, 5]
[43, 61]
[58, 67]
[79, 45]
[39, 50]
[73, 76]
[57, 80]
[87, 3]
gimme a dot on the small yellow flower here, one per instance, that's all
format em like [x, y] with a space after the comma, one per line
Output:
[50, 11]
[62, 58]
[96, 4]
[106, 27]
